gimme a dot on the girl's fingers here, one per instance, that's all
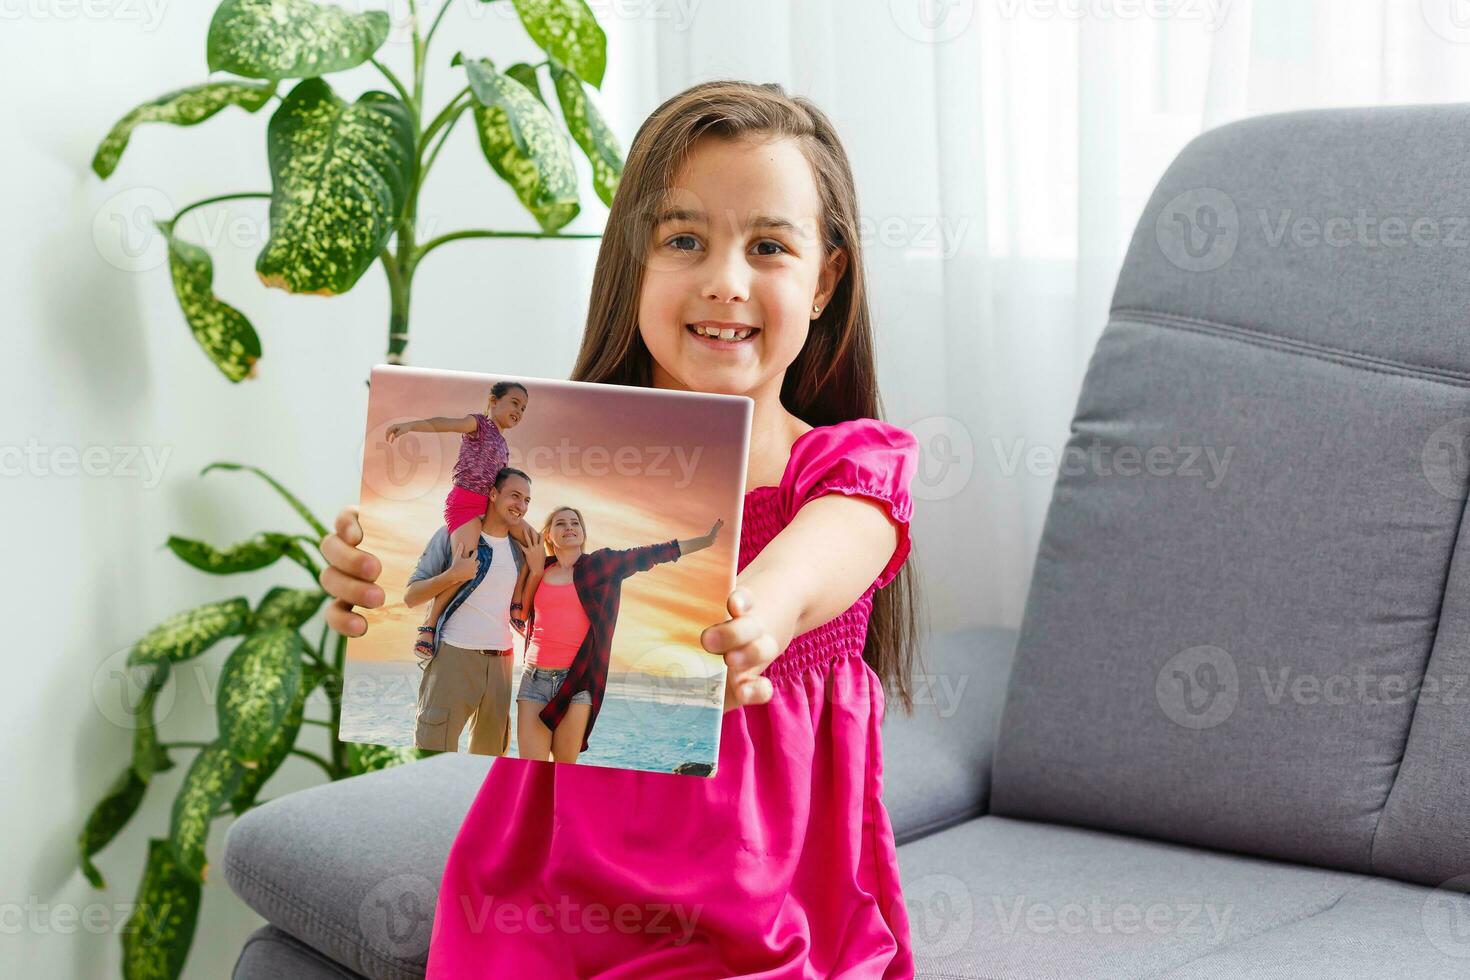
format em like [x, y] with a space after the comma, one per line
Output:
[757, 691]
[753, 655]
[354, 591]
[349, 560]
[347, 527]
[724, 637]
[341, 618]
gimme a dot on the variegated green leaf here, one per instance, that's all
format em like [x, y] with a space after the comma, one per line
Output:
[567, 31]
[296, 504]
[188, 634]
[290, 608]
[521, 140]
[160, 929]
[280, 745]
[259, 684]
[211, 781]
[590, 131]
[226, 336]
[291, 38]
[244, 556]
[182, 107]
[110, 815]
[340, 174]
[526, 75]
[149, 756]
[370, 758]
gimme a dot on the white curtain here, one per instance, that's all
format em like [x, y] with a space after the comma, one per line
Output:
[1003, 151]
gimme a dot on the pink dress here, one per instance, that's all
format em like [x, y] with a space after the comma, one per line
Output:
[782, 864]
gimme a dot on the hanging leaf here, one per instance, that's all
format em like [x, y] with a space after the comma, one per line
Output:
[149, 756]
[280, 745]
[188, 634]
[290, 608]
[246, 556]
[567, 31]
[340, 174]
[259, 684]
[160, 929]
[291, 499]
[370, 758]
[109, 816]
[211, 780]
[279, 39]
[526, 75]
[182, 107]
[521, 141]
[590, 131]
[226, 336]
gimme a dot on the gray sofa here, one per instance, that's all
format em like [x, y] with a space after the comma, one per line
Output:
[1232, 737]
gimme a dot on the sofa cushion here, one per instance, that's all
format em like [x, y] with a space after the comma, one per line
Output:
[270, 954]
[1240, 576]
[1424, 833]
[352, 868]
[996, 897]
[936, 762]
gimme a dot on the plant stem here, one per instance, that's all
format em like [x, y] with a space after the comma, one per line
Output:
[453, 236]
[427, 165]
[215, 200]
[185, 745]
[334, 682]
[446, 115]
[326, 766]
[435, 26]
[402, 92]
[316, 721]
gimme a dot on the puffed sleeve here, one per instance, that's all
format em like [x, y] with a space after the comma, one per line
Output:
[859, 457]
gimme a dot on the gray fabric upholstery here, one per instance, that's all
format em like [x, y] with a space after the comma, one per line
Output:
[1424, 834]
[1000, 898]
[270, 954]
[1190, 657]
[352, 868]
[937, 760]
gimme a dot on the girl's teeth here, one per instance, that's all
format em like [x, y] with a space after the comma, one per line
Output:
[729, 333]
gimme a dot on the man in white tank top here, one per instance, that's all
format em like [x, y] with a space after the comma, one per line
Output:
[469, 677]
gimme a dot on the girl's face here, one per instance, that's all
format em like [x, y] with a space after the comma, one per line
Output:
[565, 530]
[737, 252]
[507, 410]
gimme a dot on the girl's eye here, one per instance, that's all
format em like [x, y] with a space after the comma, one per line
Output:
[779, 247]
[678, 238]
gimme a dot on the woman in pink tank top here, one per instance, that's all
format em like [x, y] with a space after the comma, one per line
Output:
[571, 611]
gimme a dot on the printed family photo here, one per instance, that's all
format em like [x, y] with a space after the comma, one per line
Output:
[552, 551]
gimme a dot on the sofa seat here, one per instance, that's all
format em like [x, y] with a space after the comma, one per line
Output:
[1003, 898]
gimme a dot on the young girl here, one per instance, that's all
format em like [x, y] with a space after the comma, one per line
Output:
[482, 452]
[732, 263]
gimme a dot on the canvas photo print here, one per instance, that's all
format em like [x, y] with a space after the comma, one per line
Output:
[551, 552]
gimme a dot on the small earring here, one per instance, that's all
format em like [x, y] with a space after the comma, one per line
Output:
[816, 309]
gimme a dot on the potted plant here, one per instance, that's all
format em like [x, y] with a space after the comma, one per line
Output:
[346, 179]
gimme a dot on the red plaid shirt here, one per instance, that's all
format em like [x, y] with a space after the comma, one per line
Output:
[598, 578]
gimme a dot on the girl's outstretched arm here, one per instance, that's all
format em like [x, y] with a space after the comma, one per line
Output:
[811, 572]
[439, 423]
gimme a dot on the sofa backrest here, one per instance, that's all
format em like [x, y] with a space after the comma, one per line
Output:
[1239, 633]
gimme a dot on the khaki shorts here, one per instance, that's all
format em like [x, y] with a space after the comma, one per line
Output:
[462, 686]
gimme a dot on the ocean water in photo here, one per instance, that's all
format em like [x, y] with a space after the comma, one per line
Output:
[646, 722]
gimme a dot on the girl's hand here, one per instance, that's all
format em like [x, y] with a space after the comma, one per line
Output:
[349, 576]
[397, 429]
[748, 646]
[527, 535]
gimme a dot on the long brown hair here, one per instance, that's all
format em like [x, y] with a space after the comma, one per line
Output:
[833, 378]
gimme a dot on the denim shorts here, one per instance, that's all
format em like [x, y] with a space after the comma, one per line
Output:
[541, 684]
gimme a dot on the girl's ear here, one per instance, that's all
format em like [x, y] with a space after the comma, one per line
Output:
[833, 268]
